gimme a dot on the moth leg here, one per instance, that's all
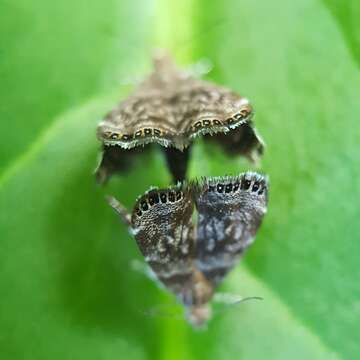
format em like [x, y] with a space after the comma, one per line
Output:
[120, 209]
[177, 162]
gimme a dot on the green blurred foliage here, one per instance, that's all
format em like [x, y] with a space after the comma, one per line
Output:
[67, 287]
[54, 55]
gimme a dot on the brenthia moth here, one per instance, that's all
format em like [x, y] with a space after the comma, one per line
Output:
[190, 255]
[172, 108]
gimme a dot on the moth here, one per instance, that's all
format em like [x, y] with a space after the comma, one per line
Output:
[192, 234]
[172, 108]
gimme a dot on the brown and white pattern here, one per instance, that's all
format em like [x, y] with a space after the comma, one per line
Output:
[191, 259]
[172, 108]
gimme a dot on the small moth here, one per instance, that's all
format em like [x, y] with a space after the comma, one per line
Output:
[191, 258]
[172, 108]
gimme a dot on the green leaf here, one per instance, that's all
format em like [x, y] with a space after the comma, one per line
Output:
[53, 55]
[347, 15]
[68, 289]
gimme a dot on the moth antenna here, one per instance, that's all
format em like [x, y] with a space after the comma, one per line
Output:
[247, 299]
[120, 209]
[230, 300]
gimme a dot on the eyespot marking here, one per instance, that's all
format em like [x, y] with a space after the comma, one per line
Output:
[238, 116]
[144, 205]
[256, 186]
[151, 200]
[171, 196]
[228, 188]
[178, 195]
[220, 188]
[245, 184]
[212, 188]
[114, 136]
[126, 137]
[107, 134]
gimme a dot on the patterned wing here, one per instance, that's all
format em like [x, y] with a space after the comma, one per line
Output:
[162, 225]
[230, 211]
[140, 119]
[150, 114]
[208, 108]
[223, 116]
[171, 108]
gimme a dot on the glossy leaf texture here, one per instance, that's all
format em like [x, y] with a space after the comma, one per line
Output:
[68, 287]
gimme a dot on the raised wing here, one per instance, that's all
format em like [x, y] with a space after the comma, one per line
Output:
[172, 108]
[150, 114]
[230, 211]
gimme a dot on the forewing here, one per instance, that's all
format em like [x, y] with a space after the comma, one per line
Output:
[140, 119]
[149, 115]
[221, 115]
[230, 211]
[171, 108]
[162, 225]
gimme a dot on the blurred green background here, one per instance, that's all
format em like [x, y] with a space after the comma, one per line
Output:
[67, 287]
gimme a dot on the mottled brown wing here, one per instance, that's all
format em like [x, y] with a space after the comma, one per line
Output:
[230, 211]
[138, 120]
[206, 108]
[171, 108]
[150, 114]
[198, 107]
[162, 225]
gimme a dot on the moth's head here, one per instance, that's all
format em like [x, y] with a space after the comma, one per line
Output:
[198, 315]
